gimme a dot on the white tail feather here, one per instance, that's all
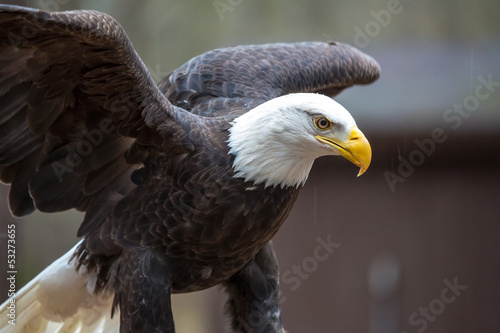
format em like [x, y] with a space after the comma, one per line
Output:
[60, 300]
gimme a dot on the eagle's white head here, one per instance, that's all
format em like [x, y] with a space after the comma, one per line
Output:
[277, 142]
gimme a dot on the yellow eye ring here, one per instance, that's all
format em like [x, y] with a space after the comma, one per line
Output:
[322, 123]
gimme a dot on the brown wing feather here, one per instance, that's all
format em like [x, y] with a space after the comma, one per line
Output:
[241, 77]
[74, 97]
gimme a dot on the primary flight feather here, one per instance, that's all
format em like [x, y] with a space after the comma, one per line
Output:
[183, 183]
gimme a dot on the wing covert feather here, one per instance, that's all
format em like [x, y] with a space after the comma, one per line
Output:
[243, 76]
[74, 98]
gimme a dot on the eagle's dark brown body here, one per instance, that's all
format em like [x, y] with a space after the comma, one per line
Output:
[206, 226]
[82, 125]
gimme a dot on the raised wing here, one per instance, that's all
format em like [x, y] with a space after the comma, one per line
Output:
[242, 77]
[77, 107]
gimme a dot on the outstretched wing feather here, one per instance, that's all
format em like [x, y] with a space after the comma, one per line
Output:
[231, 78]
[74, 97]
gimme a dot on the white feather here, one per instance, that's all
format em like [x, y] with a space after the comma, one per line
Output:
[60, 299]
[275, 142]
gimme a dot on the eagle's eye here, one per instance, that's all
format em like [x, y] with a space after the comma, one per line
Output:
[322, 123]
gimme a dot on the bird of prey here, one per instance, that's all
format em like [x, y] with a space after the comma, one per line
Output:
[183, 184]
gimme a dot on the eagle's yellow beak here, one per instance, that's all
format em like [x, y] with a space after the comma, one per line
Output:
[357, 148]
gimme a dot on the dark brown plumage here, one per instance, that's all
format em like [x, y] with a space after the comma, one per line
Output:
[83, 125]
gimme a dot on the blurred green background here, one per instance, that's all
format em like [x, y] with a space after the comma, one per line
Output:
[400, 238]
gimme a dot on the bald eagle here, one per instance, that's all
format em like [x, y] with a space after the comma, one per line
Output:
[183, 184]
